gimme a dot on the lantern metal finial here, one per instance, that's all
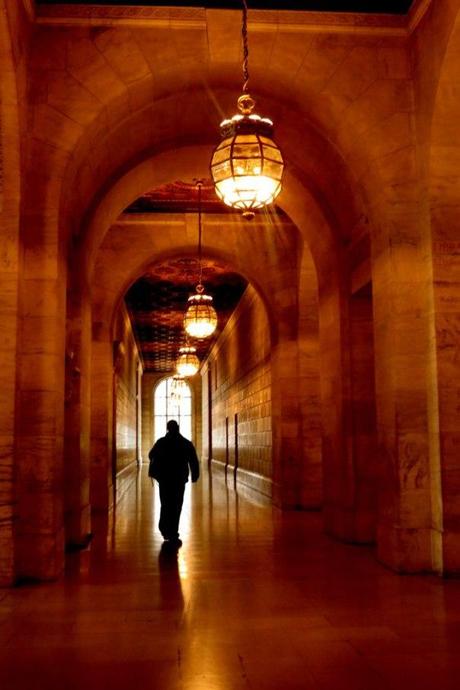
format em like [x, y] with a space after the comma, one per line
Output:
[247, 166]
[246, 104]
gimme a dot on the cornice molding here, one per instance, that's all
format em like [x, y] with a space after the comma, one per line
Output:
[328, 22]
[120, 15]
[195, 17]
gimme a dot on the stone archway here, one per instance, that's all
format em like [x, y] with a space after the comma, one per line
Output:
[272, 276]
[322, 197]
[332, 278]
[61, 149]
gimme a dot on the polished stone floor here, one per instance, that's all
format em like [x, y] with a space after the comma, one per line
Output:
[254, 599]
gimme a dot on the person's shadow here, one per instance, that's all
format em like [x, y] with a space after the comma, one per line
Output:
[171, 595]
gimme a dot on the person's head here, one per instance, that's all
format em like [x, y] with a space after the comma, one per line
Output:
[172, 426]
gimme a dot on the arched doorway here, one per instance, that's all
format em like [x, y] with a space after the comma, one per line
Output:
[167, 405]
[155, 291]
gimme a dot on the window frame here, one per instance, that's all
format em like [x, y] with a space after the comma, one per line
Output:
[159, 420]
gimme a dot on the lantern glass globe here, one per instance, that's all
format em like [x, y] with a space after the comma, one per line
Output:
[187, 362]
[247, 166]
[200, 319]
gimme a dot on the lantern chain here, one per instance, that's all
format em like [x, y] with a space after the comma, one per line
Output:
[244, 32]
[200, 233]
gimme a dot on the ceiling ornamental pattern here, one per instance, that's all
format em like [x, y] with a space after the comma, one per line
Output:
[157, 302]
[179, 197]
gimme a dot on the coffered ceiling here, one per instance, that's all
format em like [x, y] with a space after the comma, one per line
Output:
[158, 300]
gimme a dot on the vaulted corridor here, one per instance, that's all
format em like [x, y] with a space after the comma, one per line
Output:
[241, 217]
[256, 598]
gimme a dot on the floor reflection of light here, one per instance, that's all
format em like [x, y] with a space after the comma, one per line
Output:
[204, 683]
[183, 566]
[186, 515]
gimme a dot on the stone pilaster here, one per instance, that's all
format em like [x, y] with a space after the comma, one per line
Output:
[338, 471]
[40, 408]
[409, 529]
[446, 273]
[311, 476]
[10, 196]
[362, 431]
[8, 343]
[77, 512]
[286, 425]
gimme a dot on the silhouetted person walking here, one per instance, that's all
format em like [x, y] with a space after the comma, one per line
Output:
[170, 459]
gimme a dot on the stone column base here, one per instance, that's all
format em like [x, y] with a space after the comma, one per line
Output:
[78, 526]
[451, 552]
[349, 525]
[256, 482]
[409, 550]
[40, 556]
[101, 489]
[6, 553]
[286, 499]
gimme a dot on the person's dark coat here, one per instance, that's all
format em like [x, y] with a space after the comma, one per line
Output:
[171, 457]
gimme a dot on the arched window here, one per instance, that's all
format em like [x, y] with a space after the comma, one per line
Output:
[165, 408]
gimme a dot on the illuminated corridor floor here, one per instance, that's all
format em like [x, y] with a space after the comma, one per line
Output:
[255, 600]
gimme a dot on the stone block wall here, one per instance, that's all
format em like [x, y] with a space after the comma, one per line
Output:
[363, 427]
[149, 382]
[307, 484]
[206, 412]
[240, 395]
[77, 416]
[126, 388]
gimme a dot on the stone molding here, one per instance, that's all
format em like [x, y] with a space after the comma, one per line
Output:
[255, 482]
[249, 480]
[124, 15]
[259, 20]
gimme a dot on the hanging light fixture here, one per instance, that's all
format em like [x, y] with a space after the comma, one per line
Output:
[178, 389]
[187, 363]
[200, 319]
[247, 166]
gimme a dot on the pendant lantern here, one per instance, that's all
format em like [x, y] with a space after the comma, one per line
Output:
[200, 319]
[187, 362]
[247, 166]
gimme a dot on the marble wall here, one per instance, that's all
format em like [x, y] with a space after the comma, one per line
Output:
[240, 395]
